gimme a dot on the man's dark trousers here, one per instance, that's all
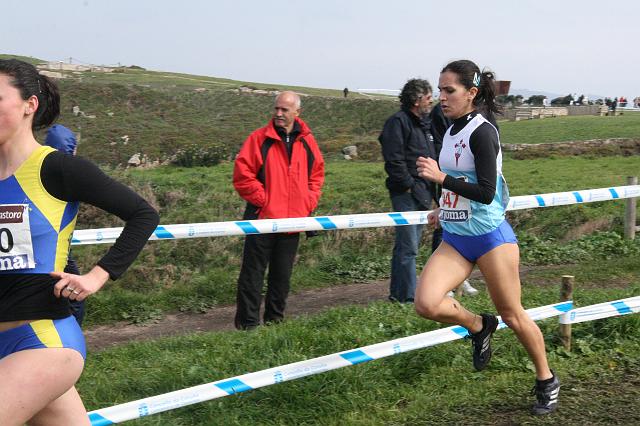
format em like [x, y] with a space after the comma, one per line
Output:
[277, 251]
[402, 286]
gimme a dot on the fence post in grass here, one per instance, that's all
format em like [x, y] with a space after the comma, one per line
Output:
[566, 293]
[630, 212]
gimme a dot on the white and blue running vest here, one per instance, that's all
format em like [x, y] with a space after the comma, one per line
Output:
[459, 215]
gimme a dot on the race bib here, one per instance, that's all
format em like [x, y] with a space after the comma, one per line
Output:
[16, 249]
[453, 207]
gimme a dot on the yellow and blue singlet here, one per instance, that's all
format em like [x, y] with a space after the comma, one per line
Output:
[51, 221]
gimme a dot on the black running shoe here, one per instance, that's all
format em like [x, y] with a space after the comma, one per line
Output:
[546, 393]
[481, 341]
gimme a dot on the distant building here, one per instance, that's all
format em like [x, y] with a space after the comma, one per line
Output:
[60, 66]
[502, 87]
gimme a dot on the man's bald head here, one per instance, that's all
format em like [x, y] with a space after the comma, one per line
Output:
[290, 96]
[286, 109]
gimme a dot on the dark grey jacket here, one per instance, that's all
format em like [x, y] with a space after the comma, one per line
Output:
[404, 138]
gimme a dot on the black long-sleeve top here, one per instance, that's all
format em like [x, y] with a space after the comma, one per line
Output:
[69, 178]
[439, 125]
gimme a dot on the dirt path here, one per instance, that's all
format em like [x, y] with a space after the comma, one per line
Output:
[220, 318]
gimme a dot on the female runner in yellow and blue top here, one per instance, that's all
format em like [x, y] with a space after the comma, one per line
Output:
[42, 349]
[472, 215]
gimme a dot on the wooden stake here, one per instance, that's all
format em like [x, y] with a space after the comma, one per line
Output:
[566, 293]
[630, 212]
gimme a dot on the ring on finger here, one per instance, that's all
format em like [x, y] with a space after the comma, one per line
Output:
[69, 289]
[76, 292]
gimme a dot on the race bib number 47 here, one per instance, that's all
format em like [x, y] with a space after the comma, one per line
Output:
[453, 207]
[16, 250]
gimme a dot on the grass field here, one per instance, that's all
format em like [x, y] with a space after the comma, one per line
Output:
[576, 128]
[192, 275]
[429, 386]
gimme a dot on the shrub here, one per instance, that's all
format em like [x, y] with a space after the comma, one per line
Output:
[194, 155]
[597, 246]
[565, 100]
[536, 100]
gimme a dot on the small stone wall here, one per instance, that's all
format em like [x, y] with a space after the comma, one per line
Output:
[587, 109]
[531, 112]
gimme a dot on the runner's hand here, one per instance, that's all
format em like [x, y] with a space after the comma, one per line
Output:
[79, 287]
[433, 218]
[428, 169]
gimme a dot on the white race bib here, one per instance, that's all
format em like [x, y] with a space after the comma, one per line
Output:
[454, 207]
[16, 249]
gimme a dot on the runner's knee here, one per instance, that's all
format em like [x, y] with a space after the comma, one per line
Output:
[514, 318]
[427, 308]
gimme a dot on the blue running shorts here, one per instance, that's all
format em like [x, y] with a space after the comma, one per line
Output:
[61, 333]
[472, 247]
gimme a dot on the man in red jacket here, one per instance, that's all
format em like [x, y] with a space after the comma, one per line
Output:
[279, 171]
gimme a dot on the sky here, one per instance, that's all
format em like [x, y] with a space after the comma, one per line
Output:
[556, 46]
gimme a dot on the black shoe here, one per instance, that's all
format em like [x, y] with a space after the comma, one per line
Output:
[241, 326]
[546, 393]
[481, 341]
[273, 321]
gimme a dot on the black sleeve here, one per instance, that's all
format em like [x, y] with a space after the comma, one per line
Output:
[439, 126]
[71, 178]
[484, 145]
[395, 161]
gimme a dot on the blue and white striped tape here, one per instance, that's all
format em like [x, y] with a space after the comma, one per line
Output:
[268, 226]
[573, 197]
[271, 376]
[602, 310]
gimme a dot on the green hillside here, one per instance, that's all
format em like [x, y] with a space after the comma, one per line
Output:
[29, 59]
[162, 113]
[158, 122]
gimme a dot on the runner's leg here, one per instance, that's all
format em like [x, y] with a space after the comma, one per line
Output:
[500, 269]
[33, 379]
[443, 272]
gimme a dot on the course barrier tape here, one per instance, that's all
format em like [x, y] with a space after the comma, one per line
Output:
[271, 376]
[324, 223]
[602, 310]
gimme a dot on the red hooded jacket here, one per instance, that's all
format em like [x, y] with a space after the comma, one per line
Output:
[290, 189]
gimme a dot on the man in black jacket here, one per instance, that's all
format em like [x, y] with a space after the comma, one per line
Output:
[405, 137]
